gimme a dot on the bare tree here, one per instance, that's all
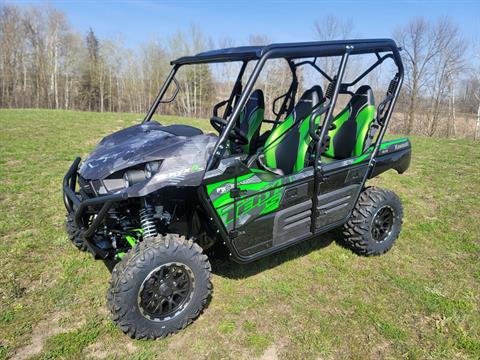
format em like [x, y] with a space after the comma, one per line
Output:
[421, 43]
[259, 40]
[11, 55]
[446, 67]
[477, 123]
[330, 28]
[196, 80]
[476, 94]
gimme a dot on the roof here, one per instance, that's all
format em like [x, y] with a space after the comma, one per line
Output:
[291, 50]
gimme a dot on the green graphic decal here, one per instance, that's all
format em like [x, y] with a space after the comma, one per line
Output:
[383, 146]
[222, 190]
[260, 197]
[261, 204]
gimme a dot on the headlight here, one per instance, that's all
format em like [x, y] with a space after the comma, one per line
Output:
[123, 179]
[152, 168]
[132, 177]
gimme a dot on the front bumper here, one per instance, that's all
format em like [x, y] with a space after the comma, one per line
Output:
[99, 205]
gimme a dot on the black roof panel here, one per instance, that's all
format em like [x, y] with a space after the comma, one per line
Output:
[291, 50]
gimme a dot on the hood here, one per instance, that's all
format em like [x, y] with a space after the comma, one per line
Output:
[143, 143]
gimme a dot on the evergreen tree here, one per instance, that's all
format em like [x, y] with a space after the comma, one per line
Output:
[90, 84]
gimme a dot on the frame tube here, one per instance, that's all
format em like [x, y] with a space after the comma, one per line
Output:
[161, 93]
[317, 170]
[333, 101]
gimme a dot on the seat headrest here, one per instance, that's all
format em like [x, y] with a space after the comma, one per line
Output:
[310, 99]
[365, 93]
[257, 99]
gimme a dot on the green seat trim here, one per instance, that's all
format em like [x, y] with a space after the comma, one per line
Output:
[305, 140]
[363, 120]
[254, 121]
[274, 139]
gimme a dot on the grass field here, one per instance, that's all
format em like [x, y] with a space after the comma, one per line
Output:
[315, 300]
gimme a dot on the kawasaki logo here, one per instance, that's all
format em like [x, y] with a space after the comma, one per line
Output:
[401, 146]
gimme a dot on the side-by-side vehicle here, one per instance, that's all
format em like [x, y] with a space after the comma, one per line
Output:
[157, 199]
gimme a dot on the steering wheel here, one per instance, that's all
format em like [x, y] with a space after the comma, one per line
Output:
[236, 134]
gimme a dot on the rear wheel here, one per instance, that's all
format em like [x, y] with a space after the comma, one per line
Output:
[159, 287]
[375, 223]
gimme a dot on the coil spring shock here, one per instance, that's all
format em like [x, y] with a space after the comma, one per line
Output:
[147, 222]
[331, 88]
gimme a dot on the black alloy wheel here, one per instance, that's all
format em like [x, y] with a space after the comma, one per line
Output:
[166, 291]
[382, 223]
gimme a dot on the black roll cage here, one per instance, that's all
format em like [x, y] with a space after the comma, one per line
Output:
[290, 52]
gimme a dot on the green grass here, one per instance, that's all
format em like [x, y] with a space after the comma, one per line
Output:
[314, 300]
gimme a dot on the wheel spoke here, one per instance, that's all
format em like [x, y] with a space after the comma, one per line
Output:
[180, 292]
[158, 306]
[151, 301]
[182, 283]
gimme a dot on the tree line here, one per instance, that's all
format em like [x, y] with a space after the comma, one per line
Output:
[45, 63]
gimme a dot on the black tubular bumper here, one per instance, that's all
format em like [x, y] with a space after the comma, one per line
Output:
[77, 206]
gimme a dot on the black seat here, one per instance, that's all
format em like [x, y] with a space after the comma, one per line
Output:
[250, 121]
[351, 127]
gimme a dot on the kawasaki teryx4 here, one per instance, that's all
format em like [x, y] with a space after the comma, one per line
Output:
[155, 199]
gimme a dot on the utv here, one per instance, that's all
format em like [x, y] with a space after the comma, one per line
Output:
[156, 199]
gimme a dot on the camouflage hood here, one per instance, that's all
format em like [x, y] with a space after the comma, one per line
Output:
[179, 146]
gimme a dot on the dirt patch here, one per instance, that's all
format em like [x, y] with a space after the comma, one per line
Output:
[104, 348]
[41, 332]
[177, 342]
[270, 353]
[97, 350]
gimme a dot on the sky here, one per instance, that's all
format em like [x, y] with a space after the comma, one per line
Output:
[138, 21]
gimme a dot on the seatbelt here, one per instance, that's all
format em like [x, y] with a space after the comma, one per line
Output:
[371, 134]
[261, 162]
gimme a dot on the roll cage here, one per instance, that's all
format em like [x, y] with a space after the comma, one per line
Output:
[382, 48]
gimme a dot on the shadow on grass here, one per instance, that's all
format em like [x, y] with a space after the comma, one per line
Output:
[222, 266]
[230, 269]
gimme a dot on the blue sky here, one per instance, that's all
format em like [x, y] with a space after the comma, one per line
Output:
[282, 21]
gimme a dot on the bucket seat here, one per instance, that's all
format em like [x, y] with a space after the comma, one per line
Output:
[250, 121]
[286, 148]
[350, 130]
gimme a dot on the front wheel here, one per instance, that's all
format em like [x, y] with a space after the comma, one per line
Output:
[159, 287]
[74, 233]
[375, 223]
